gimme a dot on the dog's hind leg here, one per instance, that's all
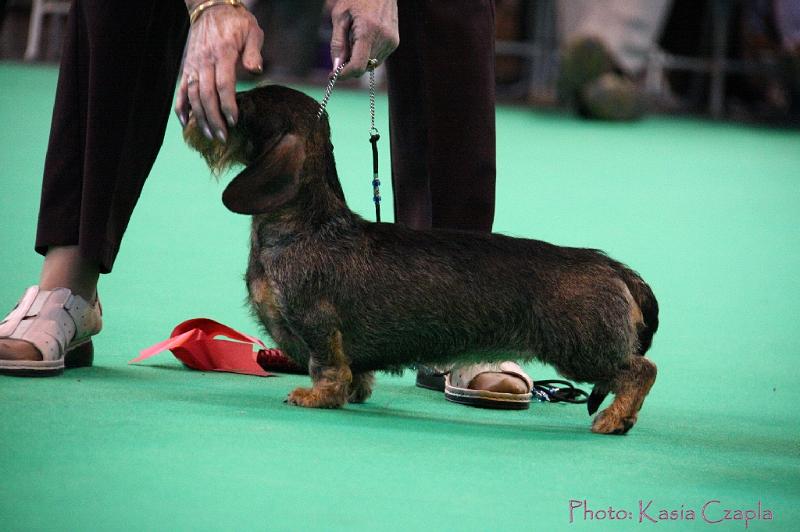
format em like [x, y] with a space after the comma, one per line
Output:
[330, 372]
[361, 387]
[630, 387]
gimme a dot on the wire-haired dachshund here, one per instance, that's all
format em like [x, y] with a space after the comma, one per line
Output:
[345, 297]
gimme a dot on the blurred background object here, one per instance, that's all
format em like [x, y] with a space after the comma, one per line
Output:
[605, 48]
[40, 11]
[295, 37]
[604, 59]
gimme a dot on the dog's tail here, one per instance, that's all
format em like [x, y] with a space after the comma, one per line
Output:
[644, 297]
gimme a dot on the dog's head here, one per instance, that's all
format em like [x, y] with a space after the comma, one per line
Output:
[281, 143]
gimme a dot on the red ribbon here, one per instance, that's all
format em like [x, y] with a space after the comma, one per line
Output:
[194, 343]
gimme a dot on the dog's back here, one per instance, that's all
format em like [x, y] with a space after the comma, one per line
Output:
[406, 297]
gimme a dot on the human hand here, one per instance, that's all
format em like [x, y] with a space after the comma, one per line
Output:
[362, 30]
[222, 37]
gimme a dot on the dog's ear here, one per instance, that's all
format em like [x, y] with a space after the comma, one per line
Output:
[270, 181]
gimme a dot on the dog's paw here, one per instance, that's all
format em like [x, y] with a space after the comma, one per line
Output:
[359, 395]
[607, 422]
[312, 398]
[360, 388]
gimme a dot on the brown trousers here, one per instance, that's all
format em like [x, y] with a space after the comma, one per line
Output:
[442, 114]
[117, 80]
[119, 67]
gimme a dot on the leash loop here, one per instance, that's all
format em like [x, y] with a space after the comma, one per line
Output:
[374, 135]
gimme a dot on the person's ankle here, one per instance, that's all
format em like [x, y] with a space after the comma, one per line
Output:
[88, 293]
[65, 267]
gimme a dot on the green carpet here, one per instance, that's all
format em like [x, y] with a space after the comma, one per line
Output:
[708, 213]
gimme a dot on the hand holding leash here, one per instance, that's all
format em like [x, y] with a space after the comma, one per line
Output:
[363, 30]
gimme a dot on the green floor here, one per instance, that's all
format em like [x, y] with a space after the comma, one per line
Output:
[708, 213]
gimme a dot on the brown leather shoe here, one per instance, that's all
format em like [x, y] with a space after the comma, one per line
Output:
[590, 82]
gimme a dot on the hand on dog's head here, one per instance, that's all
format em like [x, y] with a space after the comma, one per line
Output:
[277, 127]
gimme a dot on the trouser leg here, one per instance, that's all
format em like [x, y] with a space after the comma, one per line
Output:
[442, 114]
[119, 67]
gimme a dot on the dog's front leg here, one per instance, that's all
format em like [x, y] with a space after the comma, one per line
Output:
[330, 373]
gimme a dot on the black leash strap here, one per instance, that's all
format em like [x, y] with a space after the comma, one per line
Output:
[376, 183]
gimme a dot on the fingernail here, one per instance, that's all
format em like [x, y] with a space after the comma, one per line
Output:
[258, 69]
[183, 120]
[221, 136]
[230, 120]
[337, 62]
[207, 133]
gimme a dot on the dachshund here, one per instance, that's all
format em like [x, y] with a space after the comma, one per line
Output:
[345, 297]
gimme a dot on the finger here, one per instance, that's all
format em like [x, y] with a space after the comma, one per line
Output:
[209, 98]
[359, 57]
[251, 56]
[225, 72]
[340, 38]
[193, 92]
[182, 102]
[386, 50]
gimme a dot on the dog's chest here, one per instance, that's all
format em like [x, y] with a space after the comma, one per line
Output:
[265, 297]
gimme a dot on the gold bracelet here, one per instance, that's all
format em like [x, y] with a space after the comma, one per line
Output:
[195, 13]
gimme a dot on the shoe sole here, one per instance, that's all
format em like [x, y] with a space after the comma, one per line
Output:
[484, 399]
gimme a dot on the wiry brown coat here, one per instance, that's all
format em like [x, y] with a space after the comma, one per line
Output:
[347, 297]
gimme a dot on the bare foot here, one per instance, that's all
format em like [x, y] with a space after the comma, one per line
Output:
[18, 350]
[499, 382]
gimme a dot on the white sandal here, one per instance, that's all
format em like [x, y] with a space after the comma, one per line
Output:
[57, 323]
[457, 390]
